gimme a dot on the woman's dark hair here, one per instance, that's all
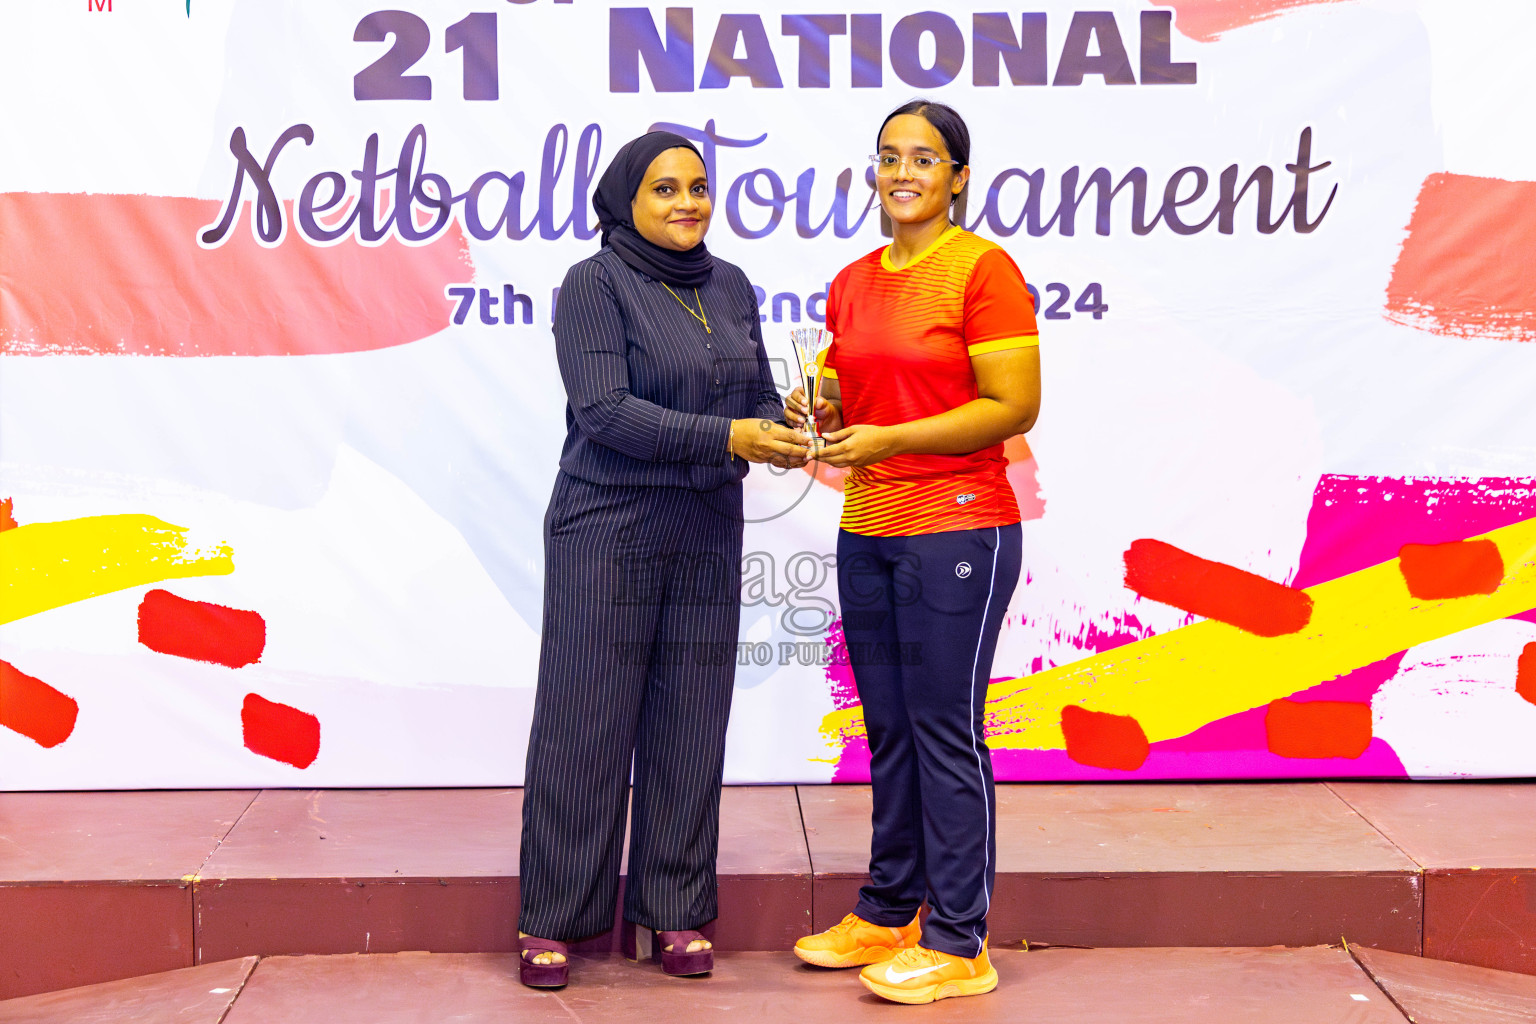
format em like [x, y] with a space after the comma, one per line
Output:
[946, 120]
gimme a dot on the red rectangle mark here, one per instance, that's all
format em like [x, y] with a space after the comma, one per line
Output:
[279, 731]
[1318, 728]
[1525, 673]
[200, 631]
[1459, 568]
[1102, 740]
[35, 709]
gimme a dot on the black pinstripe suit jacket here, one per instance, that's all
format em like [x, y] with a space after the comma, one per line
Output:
[650, 395]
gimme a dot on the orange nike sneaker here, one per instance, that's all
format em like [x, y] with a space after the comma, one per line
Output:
[853, 942]
[920, 975]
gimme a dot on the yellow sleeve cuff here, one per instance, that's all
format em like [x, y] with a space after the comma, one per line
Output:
[829, 373]
[981, 348]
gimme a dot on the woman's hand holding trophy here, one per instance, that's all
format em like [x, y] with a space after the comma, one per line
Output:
[809, 344]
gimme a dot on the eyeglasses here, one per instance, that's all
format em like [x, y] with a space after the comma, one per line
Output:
[886, 164]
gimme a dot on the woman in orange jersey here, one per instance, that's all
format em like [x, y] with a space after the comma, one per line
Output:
[934, 364]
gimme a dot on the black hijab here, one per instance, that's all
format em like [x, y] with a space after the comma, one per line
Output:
[613, 198]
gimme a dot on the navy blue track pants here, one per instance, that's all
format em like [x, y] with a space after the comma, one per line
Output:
[921, 616]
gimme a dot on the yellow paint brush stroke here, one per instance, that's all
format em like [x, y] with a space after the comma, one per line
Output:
[46, 565]
[1178, 681]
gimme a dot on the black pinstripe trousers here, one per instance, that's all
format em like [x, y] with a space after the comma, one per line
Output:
[637, 665]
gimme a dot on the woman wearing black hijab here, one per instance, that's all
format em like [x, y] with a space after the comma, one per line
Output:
[670, 395]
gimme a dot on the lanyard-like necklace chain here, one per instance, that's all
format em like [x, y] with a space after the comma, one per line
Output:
[699, 316]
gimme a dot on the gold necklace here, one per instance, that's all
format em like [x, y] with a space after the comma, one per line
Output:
[699, 316]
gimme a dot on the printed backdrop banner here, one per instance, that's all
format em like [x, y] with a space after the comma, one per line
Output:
[280, 413]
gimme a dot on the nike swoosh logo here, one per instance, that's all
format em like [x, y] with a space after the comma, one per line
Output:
[893, 975]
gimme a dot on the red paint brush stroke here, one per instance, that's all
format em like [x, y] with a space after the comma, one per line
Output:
[1525, 673]
[200, 631]
[124, 275]
[280, 732]
[1102, 740]
[1468, 265]
[1458, 568]
[1205, 20]
[1318, 728]
[7, 520]
[35, 709]
[1215, 590]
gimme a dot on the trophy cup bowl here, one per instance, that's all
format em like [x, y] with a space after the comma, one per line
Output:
[809, 344]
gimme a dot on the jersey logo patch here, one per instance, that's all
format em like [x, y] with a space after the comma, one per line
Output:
[963, 569]
[965, 499]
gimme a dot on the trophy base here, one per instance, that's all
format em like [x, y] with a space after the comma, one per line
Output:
[817, 443]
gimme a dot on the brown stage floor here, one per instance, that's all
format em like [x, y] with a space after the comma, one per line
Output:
[99, 886]
[1318, 985]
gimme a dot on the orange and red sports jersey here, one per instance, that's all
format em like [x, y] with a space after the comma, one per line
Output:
[902, 348]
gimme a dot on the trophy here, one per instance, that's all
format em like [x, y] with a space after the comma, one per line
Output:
[810, 343]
